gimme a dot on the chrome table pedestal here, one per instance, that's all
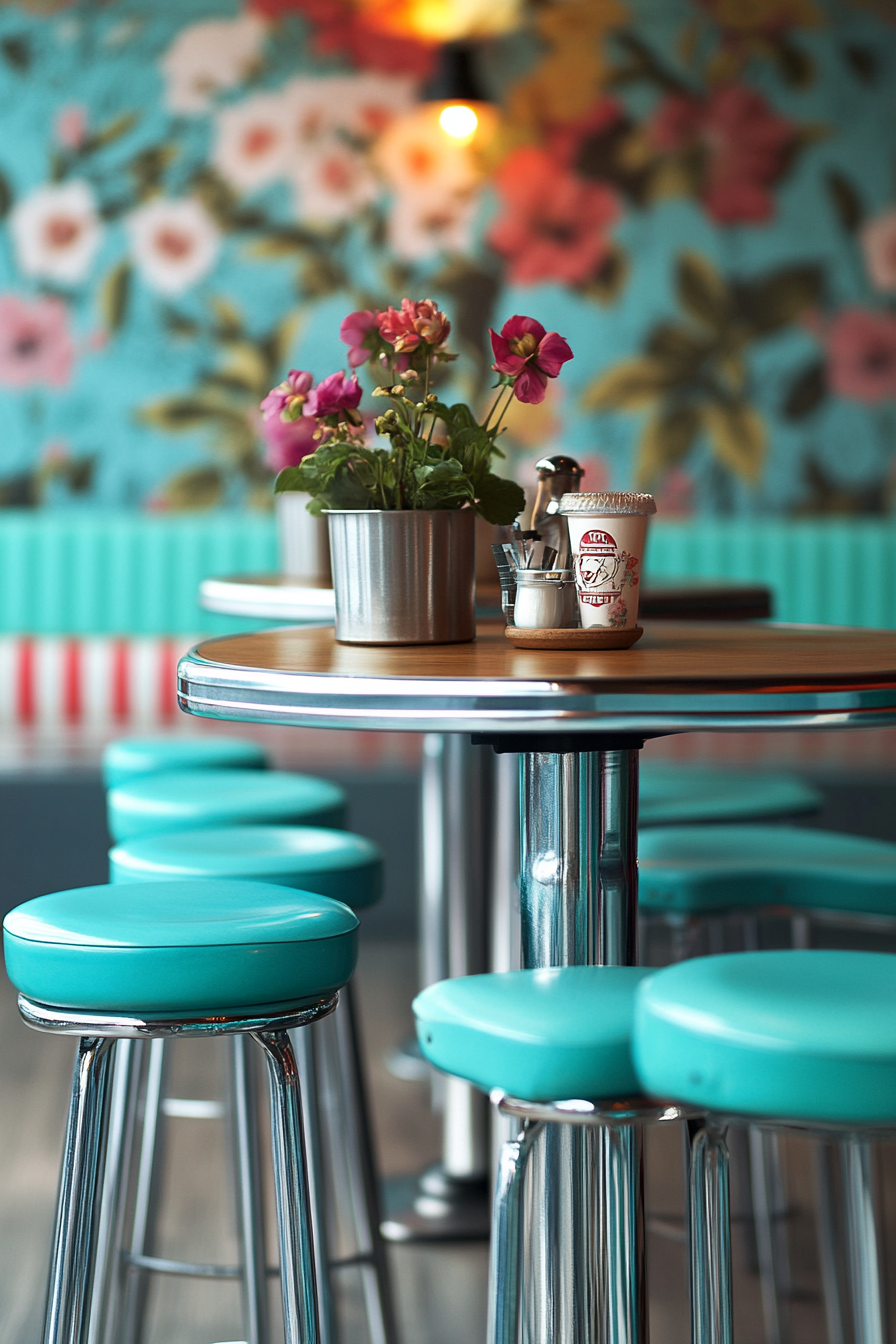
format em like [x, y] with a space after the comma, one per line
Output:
[453, 1199]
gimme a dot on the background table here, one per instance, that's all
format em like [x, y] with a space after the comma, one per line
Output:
[578, 719]
[278, 597]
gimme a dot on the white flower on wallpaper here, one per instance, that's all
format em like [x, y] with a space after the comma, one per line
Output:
[879, 246]
[174, 243]
[252, 144]
[366, 104]
[56, 231]
[332, 182]
[420, 229]
[207, 57]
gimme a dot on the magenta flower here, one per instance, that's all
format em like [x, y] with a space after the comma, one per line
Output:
[414, 324]
[529, 355]
[862, 355]
[35, 343]
[355, 332]
[334, 394]
[285, 401]
[287, 441]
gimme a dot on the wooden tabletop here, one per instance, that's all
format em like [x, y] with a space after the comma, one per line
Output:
[688, 675]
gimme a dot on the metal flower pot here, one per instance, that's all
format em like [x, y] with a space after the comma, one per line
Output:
[403, 577]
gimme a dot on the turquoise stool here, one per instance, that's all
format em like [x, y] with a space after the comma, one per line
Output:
[671, 793]
[554, 1048]
[187, 959]
[186, 799]
[130, 757]
[350, 869]
[803, 1039]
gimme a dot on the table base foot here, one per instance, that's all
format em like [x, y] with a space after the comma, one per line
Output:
[441, 1208]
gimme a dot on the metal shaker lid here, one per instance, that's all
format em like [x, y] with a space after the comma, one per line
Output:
[559, 465]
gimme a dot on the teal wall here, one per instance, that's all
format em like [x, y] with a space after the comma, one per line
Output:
[120, 573]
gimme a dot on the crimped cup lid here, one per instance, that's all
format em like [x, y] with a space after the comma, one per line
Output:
[606, 503]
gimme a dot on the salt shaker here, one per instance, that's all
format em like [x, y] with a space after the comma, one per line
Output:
[545, 599]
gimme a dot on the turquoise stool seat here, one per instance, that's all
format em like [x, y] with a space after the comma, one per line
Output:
[536, 1034]
[131, 757]
[186, 799]
[332, 863]
[703, 869]
[671, 793]
[798, 1035]
[178, 947]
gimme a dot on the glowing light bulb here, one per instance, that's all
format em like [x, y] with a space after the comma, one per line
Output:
[458, 121]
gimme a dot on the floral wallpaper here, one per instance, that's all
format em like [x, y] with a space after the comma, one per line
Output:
[700, 195]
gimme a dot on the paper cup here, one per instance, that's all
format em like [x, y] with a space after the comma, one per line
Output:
[606, 536]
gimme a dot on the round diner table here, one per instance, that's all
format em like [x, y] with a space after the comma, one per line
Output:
[578, 720]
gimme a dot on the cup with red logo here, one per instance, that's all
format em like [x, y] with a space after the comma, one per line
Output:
[607, 532]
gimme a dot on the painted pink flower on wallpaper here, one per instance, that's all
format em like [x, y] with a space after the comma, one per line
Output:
[861, 347]
[878, 238]
[340, 30]
[35, 343]
[528, 355]
[553, 225]
[745, 147]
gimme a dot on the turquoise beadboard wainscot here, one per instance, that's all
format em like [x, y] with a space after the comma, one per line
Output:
[70, 573]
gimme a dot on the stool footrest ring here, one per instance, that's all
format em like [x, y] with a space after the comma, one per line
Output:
[123, 1026]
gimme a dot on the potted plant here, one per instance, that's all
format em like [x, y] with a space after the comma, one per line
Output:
[401, 517]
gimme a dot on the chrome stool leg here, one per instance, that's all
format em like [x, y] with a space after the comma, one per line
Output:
[867, 1280]
[249, 1191]
[305, 1046]
[297, 1269]
[505, 1287]
[71, 1267]
[146, 1198]
[828, 1242]
[711, 1316]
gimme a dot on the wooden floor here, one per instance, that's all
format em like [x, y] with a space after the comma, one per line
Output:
[441, 1290]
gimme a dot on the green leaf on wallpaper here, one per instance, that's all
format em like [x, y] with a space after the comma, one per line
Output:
[807, 392]
[219, 199]
[148, 168]
[319, 276]
[228, 318]
[179, 325]
[737, 437]
[6, 196]
[666, 440]
[277, 243]
[608, 281]
[863, 62]
[17, 53]
[779, 298]
[680, 348]
[178, 415]
[198, 488]
[702, 291]
[846, 200]
[628, 385]
[245, 363]
[795, 66]
[108, 134]
[114, 293]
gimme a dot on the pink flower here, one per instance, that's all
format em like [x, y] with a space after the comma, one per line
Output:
[530, 355]
[566, 139]
[416, 323]
[879, 245]
[287, 442]
[334, 394]
[71, 126]
[745, 146]
[285, 401]
[356, 331]
[35, 344]
[553, 224]
[862, 355]
[339, 29]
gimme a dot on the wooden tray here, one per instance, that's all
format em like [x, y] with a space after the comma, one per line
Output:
[573, 639]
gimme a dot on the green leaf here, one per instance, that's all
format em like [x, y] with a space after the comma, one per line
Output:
[807, 391]
[846, 201]
[199, 488]
[702, 291]
[499, 501]
[628, 385]
[108, 134]
[608, 281]
[290, 478]
[779, 298]
[796, 68]
[738, 438]
[863, 62]
[114, 293]
[17, 53]
[681, 349]
[666, 440]
[6, 196]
